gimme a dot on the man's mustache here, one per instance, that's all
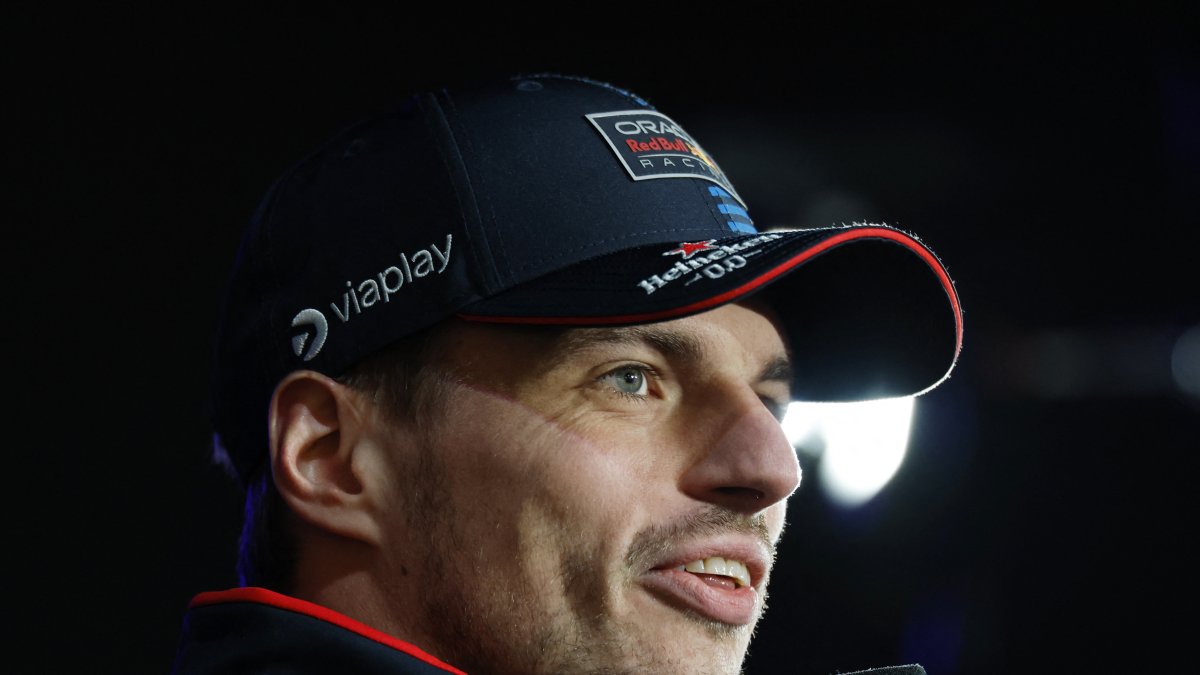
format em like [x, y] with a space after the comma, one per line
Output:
[651, 544]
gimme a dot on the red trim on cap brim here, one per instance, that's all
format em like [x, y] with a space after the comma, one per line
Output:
[756, 283]
[264, 596]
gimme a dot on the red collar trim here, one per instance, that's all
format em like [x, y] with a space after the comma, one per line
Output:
[263, 596]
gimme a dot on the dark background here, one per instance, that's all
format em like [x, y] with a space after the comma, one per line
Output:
[1052, 159]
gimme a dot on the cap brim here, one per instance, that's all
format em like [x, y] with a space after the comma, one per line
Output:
[878, 318]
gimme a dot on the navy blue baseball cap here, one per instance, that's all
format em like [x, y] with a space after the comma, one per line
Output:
[553, 200]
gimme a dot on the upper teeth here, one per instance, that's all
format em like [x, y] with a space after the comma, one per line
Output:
[718, 565]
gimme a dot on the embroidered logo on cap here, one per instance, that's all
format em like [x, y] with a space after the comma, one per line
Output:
[701, 260]
[650, 145]
[688, 249]
[314, 324]
[374, 291]
[735, 216]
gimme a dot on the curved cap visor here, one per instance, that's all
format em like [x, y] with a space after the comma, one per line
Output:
[869, 311]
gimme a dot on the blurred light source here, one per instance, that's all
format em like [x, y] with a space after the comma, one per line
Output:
[861, 445]
[1185, 362]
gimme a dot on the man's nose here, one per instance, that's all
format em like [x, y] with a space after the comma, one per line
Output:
[747, 463]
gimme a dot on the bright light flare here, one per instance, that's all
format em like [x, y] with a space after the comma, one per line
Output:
[861, 444]
[1185, 362]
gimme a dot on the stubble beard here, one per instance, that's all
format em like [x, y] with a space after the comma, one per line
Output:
[502, 628]
[499, 628]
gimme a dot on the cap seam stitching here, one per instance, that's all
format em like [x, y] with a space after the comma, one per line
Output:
[480, 195]
[444, 147]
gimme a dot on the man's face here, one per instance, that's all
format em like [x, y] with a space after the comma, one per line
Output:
[555, 509]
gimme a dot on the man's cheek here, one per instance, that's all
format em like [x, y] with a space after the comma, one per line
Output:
[489, 431]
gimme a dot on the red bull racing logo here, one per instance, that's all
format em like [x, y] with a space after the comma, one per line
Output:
[650, 145]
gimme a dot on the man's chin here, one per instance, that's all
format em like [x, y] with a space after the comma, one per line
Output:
[691, 641]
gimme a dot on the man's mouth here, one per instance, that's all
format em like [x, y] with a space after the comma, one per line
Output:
[720, 588]
[712, 566]
[719, 572]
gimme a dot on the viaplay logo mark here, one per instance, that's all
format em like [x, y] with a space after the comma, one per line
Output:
[651, 145]
[374, 291]
[315, 327]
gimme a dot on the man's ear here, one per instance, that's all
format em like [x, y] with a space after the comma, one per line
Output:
[321, 456]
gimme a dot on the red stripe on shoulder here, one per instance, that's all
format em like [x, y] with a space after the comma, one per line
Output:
[264, 596]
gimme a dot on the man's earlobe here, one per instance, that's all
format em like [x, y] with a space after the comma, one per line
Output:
[316, 424]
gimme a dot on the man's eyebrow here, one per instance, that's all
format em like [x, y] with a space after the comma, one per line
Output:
[669, 342]
[779, 369]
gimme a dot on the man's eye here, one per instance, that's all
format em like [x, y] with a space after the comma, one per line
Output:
[628, 380]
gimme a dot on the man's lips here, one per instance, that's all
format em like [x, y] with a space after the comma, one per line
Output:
[716, 597]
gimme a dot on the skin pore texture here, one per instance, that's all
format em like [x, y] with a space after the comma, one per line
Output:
[540, 517]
